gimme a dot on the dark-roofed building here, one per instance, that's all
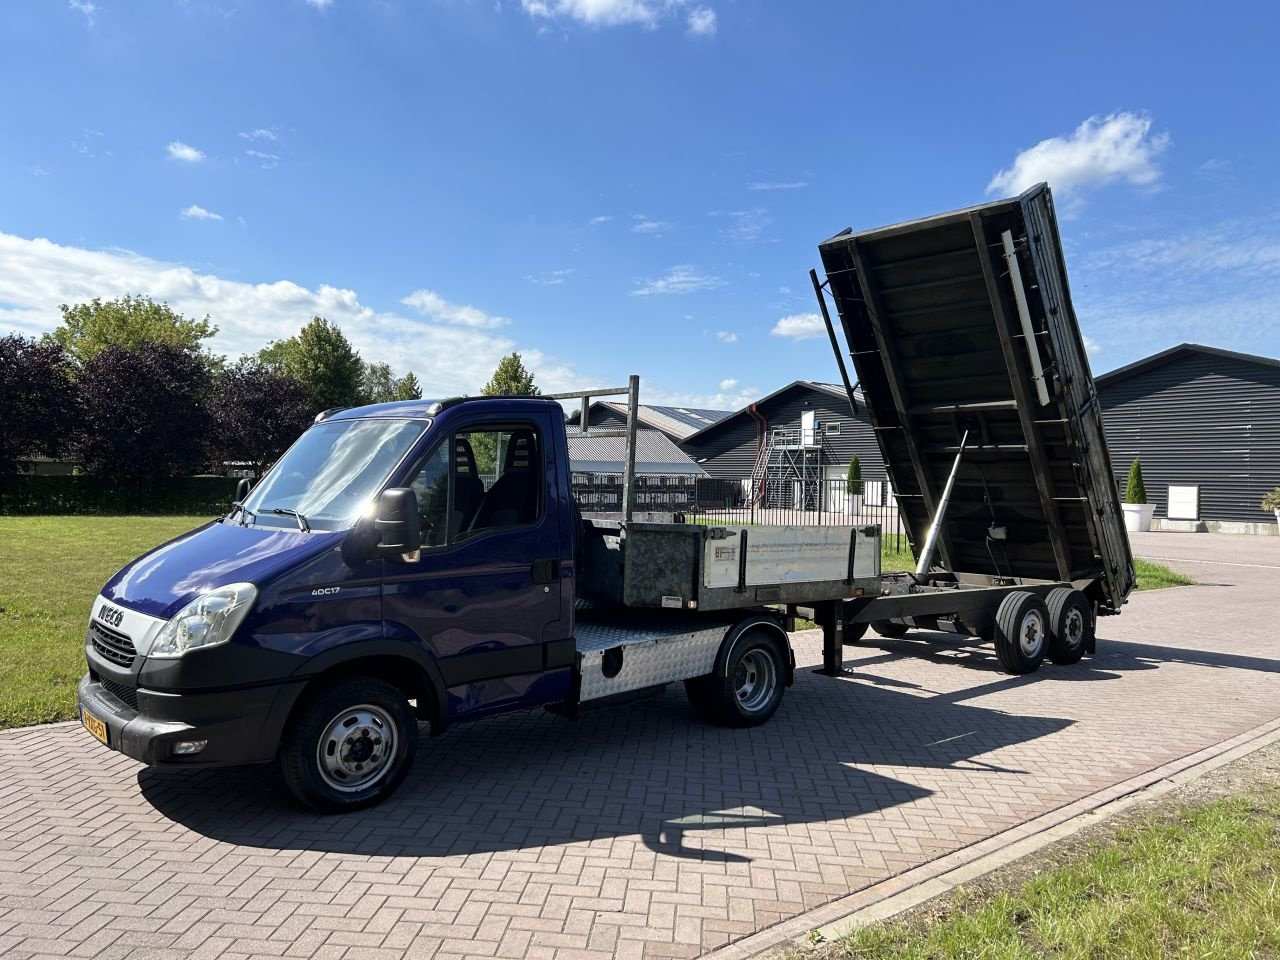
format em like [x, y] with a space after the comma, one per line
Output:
[1205, 422]
[666, 479]
[793, 448]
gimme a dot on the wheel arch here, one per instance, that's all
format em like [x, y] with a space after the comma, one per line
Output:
[763, 623]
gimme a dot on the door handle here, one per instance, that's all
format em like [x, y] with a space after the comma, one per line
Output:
[544, 571]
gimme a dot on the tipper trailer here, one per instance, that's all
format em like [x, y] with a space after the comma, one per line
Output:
[977, 384]
[424, 561]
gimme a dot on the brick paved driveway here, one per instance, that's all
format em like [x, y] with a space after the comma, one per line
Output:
[637, 831]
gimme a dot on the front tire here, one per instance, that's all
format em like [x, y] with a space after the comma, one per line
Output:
[350, 744]
[748, 689]
[1071, 625]
[1021, 632]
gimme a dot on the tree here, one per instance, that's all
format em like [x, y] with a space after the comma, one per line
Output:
[1135, 491]
[511, 379]
[376, 383]
[37, 397]
[142, 415]
[256, 414]
[854, 480]
[407, 388]
[322, 359]
[130, 322]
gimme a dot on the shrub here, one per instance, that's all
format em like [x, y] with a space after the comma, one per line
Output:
[854, 482]
[1135, 491]
[1272, 500]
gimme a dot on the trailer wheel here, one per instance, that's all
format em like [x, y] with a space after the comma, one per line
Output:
[747, 686]
[853, 632]
[1021, 632]
[350, 744]
[1070, 624]
[890, 629]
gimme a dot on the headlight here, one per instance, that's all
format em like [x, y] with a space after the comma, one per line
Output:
[206, 621]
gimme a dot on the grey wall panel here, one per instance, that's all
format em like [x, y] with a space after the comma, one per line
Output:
[1198, 419]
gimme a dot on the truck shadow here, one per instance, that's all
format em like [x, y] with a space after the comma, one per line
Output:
[651, 769]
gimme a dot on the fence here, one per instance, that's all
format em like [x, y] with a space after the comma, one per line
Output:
[713, 500]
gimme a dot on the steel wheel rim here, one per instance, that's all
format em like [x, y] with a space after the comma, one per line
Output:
[1073, 629]
[356, 749]
[1031, 634]
[754, 680]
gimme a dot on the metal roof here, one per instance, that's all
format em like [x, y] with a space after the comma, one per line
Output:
[1175, 353]
[655, 454]
[677, 422]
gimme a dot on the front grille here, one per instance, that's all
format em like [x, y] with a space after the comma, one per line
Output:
[126, 695]
[112, 645]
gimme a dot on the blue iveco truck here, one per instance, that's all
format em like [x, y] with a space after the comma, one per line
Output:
[424, 562]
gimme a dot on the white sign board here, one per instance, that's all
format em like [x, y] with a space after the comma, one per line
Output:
[1184, 503]
[788, 555]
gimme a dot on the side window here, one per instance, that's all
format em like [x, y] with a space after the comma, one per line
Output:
[430, 483]
[508, 465]
[479, 480]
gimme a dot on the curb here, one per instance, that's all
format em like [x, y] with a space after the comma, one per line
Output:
[912, 887]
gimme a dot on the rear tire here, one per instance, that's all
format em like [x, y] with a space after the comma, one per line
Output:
[746, 689]
[349, 745]
[1071, 625]
[890, 629]
[1021, 632]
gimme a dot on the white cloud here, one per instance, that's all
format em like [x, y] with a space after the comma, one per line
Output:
[600, 219]
[320, 4]
[727, 385]
[745, 226]
[39, 171]
[1102, 150]
[261, 133]
[679, 279]
[268, 161]
[726, 336]
[1091, 346]
[449, 358]
[185, 152]
[550, 278]
[799, 326]
[699, 20]
[702, 22]
[648, 226]
[194, 212]
[435, 307]
[778, 185]
[86, 7]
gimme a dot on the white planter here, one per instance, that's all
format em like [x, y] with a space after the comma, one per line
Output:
[1137, 516]
[1277, 512]
[853, 504]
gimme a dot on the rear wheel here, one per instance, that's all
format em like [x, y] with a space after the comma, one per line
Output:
[350, 744]
[853, 632]
[1071, 625]
[890, 628]
[1021, 632]
[746, 689]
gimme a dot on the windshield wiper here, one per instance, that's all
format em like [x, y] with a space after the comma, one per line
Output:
[286, 512]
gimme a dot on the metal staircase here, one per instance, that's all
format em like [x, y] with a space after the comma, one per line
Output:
[788, 470]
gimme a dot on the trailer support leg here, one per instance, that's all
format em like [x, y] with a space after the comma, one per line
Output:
[832, 623]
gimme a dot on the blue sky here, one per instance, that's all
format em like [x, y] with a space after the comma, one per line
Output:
[617, 186]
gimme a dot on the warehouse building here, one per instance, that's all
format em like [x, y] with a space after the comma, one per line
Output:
[1206, 424]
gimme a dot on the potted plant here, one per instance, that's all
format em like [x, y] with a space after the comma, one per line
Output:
[853, 487]
[1137, 512]
[1272, 502]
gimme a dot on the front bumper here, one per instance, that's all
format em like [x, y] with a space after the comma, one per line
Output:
[240, 726]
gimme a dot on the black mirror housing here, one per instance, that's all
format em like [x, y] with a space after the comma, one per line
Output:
[242, 489]
[397, 522]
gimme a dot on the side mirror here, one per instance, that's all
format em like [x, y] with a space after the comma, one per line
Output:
[242, 489]
[397, 522]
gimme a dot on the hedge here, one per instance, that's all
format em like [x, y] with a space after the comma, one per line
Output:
[31, 496]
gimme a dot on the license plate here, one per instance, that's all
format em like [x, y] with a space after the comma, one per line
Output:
[95, 726]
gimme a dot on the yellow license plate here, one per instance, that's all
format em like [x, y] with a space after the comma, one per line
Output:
[95, 726]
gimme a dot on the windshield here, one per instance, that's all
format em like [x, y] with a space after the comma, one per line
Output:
[332, 472]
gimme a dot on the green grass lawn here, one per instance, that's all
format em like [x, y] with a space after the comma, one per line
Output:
[1200, 881]
[1156, 576]
[51, 568]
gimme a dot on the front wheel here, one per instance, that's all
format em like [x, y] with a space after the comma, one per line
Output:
[350, 744]
[749, 690]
